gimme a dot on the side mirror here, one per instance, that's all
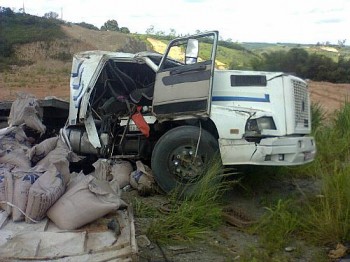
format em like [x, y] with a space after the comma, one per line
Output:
[192, 51]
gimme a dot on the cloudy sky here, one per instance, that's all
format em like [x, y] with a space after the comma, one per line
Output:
[293, 21]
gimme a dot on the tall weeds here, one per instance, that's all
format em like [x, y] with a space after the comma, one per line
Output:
[278, 224]
[327, 219]
[193, 216]
[323, 218]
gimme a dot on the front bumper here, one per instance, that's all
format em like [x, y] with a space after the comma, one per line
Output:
[276, 151]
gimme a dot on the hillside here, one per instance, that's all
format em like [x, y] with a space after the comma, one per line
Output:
[333, 52]
[105, 40]
[44, 63]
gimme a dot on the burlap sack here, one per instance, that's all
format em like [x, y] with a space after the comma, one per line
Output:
[8, 192]
[102, 169]
[86, 200]
[3, 173]
[5, 170]
[26, 110]
[12, 138]
[121, 171]
[47, 189]
[16, 157]
[39, 151]
[61, 151]
[142, 178]
[23, 180]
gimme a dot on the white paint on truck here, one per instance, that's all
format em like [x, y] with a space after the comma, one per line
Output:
[263, 122]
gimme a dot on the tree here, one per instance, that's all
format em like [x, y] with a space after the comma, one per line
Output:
[51, 15]
[160, 33]
[172, 32]
[150, 30]
[86, 25]
[6, 11]
[341, 43]
[110, 25]
[124, 30]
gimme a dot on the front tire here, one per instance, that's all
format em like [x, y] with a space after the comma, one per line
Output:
[175, 163]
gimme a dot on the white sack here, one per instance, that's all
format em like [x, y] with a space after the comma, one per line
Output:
[26, 110]
[16, 157]
[47, 189]
[121, 171]
[23, 180]
[86, 200]
[12, 138]
[142, 178]
[39, 151]
[102, 169]
[60, 152]
[5, 171]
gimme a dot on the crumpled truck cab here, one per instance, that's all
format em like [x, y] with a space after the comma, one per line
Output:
[177, 111]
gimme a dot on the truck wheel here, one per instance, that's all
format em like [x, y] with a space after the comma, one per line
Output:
[174, 163]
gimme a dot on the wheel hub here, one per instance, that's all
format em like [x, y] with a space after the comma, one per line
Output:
[185, 164]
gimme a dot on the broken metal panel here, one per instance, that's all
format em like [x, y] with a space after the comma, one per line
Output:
[92, 132]
[86, 67]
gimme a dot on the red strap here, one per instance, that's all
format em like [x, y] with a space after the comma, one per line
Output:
[140, 122]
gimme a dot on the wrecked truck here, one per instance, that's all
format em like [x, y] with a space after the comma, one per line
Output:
[177, 111]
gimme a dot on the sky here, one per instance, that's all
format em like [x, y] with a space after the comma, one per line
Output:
[271, 21]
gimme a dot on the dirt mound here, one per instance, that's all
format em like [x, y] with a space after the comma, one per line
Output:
[59, 49]
[105, 40]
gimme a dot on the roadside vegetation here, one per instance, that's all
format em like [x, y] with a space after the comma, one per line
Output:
[323, 218]
[19, 28]
[312, 66]
[320, 219]
[189, 216]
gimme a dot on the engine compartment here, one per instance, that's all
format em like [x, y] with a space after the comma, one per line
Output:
[123, 89]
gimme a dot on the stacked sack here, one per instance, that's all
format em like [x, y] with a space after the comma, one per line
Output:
[31, 178]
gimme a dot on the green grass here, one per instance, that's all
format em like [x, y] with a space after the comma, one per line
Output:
[327, 216]
[144, 210]
[278, 224]
[18, 28]
[322, 218]
[195, 215]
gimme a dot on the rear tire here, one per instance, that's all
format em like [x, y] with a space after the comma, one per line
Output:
[174, 163]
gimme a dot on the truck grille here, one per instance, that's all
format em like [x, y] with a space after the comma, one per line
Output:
[301, 104]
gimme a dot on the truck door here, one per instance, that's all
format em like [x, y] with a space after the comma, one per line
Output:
[183, 85]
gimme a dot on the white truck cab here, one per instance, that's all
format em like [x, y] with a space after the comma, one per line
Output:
[178, 111]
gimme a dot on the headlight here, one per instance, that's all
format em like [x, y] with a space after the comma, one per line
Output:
[259, 124]
[266, 123]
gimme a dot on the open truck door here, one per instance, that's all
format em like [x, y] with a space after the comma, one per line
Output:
[183, 90]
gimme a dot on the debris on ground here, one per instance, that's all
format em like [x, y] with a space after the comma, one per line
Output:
[55, 209]
[236, 217]
[142, 179]
[45, 241]
[339, 252]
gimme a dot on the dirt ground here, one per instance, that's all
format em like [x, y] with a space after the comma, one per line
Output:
[233, 242]
[330, 96]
